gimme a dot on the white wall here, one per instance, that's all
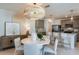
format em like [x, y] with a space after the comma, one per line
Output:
[5, 16]
[24, 22]
[46, 25]
[32, 25]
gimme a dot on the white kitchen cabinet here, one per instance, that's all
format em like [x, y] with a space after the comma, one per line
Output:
[58, 36]
[56, 22]
[69, 39]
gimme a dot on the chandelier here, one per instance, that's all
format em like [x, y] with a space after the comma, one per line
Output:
[34, 11]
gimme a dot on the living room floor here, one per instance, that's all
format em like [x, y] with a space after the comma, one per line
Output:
[61, 51]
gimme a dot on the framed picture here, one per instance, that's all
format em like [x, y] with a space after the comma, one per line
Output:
[12, 28]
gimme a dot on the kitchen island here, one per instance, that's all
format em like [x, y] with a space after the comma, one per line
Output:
[69, 39]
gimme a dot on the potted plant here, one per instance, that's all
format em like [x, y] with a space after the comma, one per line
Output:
[40, 36]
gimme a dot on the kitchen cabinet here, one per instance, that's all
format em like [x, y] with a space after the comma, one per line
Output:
[65, 39]
[69, 39]
[56, 35]
[56, 22]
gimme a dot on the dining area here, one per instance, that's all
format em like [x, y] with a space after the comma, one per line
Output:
[32, 45]
[39, 30]
[39, 40]
[35, 31]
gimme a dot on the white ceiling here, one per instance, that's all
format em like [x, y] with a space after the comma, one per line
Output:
[56, 9]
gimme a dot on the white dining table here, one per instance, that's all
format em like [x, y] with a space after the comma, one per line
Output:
[30, 41]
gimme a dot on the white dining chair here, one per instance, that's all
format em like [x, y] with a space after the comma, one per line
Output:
[49, 35]
[50, 48]
[32, 49]
[34, 36]
[18, 46]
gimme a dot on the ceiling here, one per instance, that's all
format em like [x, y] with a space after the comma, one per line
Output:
[58, 10]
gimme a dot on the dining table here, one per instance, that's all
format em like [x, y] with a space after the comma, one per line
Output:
[29, 40]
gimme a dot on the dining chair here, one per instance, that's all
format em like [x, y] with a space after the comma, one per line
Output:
[49, 36]
[55, 35]
[32, 49]
[50, 48]
[18, 46]
[34, 36]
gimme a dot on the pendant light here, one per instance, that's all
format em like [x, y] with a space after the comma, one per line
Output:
[71, 16]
